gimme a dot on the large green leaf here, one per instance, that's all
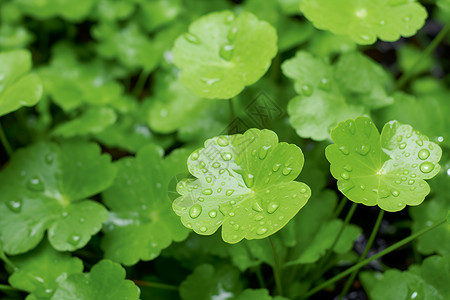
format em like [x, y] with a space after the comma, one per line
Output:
[106, 280]
[243, 182]
[45, 187]
[17, 86]
[141, 227]
[387, 170]
[67, 9]
[40, 271]
[222, 53]
[365, 21]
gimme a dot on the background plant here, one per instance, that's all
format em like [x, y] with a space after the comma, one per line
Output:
[132, 130]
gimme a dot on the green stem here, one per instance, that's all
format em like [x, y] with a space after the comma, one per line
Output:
[428, 50]
[260, 277]
[5, 142]
[376, 256]
[347, 219]
[140, 83]
[156, 285]
[4, 287]
[369, 244]
[277, 270]
[232, 115]
[340, 207]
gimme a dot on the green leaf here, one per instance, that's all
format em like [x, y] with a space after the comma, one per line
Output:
[45, 187]
[17, 86]
[431, 212]
[110, 10]
[45, 9]
[387, 170]
[93, 120]
[157, 13]
[260, 294]
[426, 282]
[14, 36]
[105, 281]
[221, 53]
[129, 45]
[40, 270]
[245, 183]
[365, 21]
[206, 282]
[141, 227]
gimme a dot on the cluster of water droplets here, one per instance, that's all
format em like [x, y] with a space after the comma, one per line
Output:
[324, 84]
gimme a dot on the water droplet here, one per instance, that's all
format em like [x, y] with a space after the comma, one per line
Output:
[257, 207]
[226, 51]
[213, 213]
[395, 193]
[64, 214]
[259, 217]
[287, 171]
[261, 230]
[303, 190]
[192, 38]
[14, 205]
[207, 192]
[48, 291]
[382, 22]
[232, 33]
[229, 192]
[325, 84]
[365, 37]
[226, 156]
[424, 154]
[189, 225]
[201, 199]
[201, 165]
[407, 154]
[412, 188]
[345, 175]
[419, 142]
[307, 90]
[345, 186]
[263, 152]
[405, 172]
[362, 187]
[402, 146]
[403, 178]
[209, 81]
[236, 226]
[411, 182]
[208, 179]
[221, 171]
[216, 165]
[363, 149]
[430, 146]
[344, 150]
[35, 184]
[231, 214]
[426, 167]
[407, 19]
[74, 239]
[49, 158]
[195, 211]
[348, 168]
[82, 220]
[383, 193]
[249, 180]
[203, 229]
[222, 141]
[273, 206]
[276, 167]
[229, 19]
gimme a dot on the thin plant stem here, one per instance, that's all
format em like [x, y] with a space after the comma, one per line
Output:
[260, 277]
[4, 287]
[428, 50]
[327, 255]
[368, 260]
[340, 207]
[277, 270]
[369, 244]
[156, 285]
[5, 142]
[232, 115]
[138, 88]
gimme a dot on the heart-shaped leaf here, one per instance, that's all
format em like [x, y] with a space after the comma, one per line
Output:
[387, 170]
[45, 187]
[17, 87]
[40, 270]
[364, 21]
[243, 182]
[222, 53]
[145, 224]
[106, 280]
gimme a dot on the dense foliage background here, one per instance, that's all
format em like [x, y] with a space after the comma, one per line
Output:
[103, 102]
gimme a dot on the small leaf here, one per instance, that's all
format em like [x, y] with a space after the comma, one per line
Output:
[67, 9]
[222, 53]
[206, 282]
[243, 182]
[106, 280]
[45, 187]
[17, 87]
[387, 170]
[40, 270]
[366, 21]
[140, 228]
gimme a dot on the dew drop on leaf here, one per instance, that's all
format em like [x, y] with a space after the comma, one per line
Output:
[195, 155]
[74, 239]
[261, 230]
[303, 190]
[226, 156]
[14, 205]
[276, 167]
[273, 206]
[49, 158]
[229, 192]
[424, 154]
[232, 33]
[226, 52]
[344, 150]
[203, 229]
[324, 84]
[402, 146]
[259, 217]
[192, 38]
[307, 90]
[216, 165]
[345, 175]
[82, 220]
[257, 207]
[207, 192]
[419, 142]
[263, 152]
[35, 184]
[201, 199]
[249, 180]
[213, 213]
[236, 226]
[287, 171]
[208, 179]
[195, 211]
[411, 182]
[395, 193]
[222, 141]
[348, 168]
[363, 149]
[426, 167]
